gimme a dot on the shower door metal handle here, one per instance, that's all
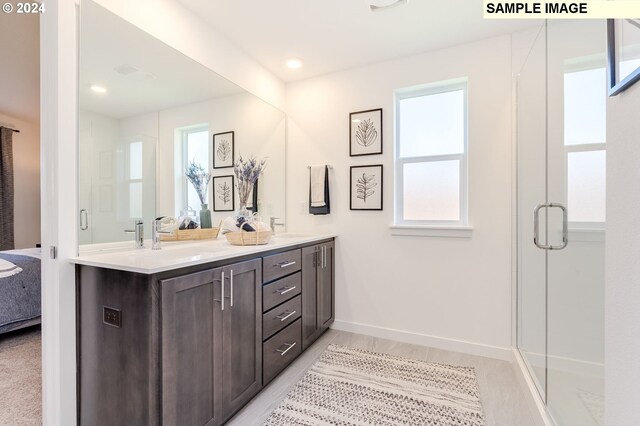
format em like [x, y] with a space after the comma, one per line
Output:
[536, 226]
[84, 224]
[565, 226]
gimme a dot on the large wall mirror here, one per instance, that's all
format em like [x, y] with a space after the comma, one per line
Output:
[145, 111]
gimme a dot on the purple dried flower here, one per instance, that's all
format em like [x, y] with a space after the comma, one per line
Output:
[247, 173]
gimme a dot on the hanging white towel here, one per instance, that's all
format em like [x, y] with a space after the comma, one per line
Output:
[8, 269]
[317, 185]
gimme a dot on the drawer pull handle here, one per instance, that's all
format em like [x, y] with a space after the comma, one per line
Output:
[290, 345]
[285, 290]
[286, 315]
[285, 264]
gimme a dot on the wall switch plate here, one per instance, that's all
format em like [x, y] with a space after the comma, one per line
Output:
[112, 316]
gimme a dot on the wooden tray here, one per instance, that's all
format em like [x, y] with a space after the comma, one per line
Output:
[191, 234]
[248, 238]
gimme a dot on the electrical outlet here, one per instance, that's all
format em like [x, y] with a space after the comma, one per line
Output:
[112, 316]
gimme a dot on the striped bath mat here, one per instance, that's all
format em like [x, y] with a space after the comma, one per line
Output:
[355, 387]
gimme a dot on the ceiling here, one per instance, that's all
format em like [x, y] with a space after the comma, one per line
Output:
[332, 35]
[140, 73]
[20, 71]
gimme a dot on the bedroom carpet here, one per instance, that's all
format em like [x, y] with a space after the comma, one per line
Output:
[20, 378]
[349, 386]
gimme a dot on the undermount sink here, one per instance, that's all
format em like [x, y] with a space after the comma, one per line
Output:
[290, 235]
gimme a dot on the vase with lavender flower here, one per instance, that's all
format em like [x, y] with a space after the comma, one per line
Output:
[199, 178]
[247, 173]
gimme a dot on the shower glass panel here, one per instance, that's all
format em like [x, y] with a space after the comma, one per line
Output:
[531, 159]
[576, 153]
[561, 158]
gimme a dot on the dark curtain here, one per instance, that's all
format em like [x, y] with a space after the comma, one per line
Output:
[6, 189]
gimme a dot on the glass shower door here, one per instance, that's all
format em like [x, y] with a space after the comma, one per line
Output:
[561, 152]
[576, 153]
[531, 188]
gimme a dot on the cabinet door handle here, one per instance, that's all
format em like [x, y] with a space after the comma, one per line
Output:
[323, 257]
[285, 264]
[222, 291]
[290, 345]
[231, 284]
[285, 290]
[286, 315]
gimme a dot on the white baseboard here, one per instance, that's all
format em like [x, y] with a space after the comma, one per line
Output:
[426, 340]
[568, 365]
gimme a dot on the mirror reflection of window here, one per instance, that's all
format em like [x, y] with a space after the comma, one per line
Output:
[585, 99]
[196, 148]
[135, 180]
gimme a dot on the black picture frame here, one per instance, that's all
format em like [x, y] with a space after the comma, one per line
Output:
[359, 145]
[616, 87]
[223, 157]
[374, 193]
[219, 205]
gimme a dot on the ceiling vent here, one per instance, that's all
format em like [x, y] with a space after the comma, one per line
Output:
[126, 69]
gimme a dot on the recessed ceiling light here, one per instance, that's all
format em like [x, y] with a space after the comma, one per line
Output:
[294, 63]
[98, 89]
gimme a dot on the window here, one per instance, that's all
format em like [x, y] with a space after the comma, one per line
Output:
[135, 180]
[195, 146]
[585, 99]
[431, 156]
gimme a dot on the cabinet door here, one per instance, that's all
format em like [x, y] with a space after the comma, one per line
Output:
[192, 349]
[242, 334]
[326, 286]
[310, 326]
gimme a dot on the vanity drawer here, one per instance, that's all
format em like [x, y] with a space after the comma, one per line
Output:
[280, 317]
[281, 264]
[280, 291]
[281, 350]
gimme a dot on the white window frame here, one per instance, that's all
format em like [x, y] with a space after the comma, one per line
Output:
[587, 147]
[440, 228]
[184, 133]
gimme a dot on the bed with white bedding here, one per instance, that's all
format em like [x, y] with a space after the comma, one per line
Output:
[20, 278]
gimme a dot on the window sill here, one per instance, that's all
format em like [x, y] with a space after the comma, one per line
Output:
[431, 231]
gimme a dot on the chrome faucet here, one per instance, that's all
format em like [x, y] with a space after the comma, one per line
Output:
[139, 231]
[273, 224]
[155, 235]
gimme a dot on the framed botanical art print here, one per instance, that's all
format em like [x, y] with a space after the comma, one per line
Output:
[365, 132]
[366, 187]
[223, 193]
[223, 150]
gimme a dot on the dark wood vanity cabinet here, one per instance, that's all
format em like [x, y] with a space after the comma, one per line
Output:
[211, 345]
[318, 287]
[191, 346]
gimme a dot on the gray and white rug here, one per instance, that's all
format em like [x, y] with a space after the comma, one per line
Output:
[355, 387]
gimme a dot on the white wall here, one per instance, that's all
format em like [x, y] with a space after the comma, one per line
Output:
[622, 293]
[26, 181]
[172, 23]
[458, 289]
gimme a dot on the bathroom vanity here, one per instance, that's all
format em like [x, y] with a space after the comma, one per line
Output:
[189, 334]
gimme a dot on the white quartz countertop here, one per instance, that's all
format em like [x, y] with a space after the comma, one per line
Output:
[175, 255]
